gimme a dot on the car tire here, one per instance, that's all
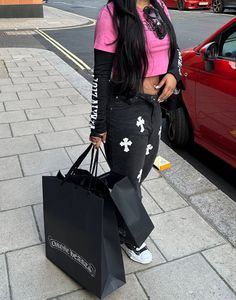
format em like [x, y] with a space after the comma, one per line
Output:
[217, 6]
[180, 4]
[178, 127]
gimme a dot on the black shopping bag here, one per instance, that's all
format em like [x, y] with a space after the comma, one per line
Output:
[81, 232]
[134, 223]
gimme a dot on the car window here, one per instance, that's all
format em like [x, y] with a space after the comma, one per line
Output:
[228, 46]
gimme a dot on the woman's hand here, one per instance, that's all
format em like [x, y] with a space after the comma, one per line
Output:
[170, 83]
[98, 140]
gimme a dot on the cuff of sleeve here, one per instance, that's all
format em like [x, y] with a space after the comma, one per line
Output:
[94, 132]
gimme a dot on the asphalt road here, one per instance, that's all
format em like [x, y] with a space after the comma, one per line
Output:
[191, 27]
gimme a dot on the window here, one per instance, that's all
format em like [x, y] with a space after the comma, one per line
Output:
[228, 44]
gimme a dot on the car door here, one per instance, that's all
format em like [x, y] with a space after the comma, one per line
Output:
[216, 99]
[170, 3]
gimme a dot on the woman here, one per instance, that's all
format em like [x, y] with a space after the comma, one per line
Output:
[137, 66]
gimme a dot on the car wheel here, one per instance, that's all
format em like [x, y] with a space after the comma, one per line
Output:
[180, 4]
[178, 127]
[218, 6]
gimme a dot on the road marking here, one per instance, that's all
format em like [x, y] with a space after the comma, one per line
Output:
[69, 4]
[75, 59]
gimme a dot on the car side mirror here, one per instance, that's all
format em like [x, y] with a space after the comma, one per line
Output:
[209, 52]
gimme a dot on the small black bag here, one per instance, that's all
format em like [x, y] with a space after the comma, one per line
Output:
[134, 222]
[81, 232]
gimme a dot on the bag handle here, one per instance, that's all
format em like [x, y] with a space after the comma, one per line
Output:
[77, 163]
[93, 162]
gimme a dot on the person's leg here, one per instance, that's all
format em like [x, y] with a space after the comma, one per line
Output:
[127, 138]
[126, 147]
[153, 141]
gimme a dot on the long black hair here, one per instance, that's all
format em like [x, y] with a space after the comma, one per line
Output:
[131, 59]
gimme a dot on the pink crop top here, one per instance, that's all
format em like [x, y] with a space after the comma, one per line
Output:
[157, 50]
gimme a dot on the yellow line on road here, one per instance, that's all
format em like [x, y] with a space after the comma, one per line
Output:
[80, 63]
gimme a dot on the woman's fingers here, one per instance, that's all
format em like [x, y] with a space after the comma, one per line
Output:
[167, 92]
[98, 140]
[170, 84]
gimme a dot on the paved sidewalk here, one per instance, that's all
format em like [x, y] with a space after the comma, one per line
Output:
[44, 126]
[53, 18]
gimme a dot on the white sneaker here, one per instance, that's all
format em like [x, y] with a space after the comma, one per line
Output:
[141, 255]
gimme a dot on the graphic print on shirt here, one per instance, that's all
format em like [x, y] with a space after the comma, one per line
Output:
[149, 147]
[140, 122]
[126, 143]
[94, 103]
[140, 175]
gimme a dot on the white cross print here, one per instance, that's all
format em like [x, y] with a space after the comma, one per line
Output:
[140, 123]
[149, 147]
[139, 175]
[159, 133]
[126, 142]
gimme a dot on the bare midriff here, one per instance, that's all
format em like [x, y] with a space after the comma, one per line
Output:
[149, 83]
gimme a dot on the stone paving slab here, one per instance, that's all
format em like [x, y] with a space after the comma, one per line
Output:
[150, 205]
[14, 88]
[4, 288]
[31, 127]
[12, 116]
[71, 122]
[21, 192]
[38, 212]
[49, 102]
[223, 259]
[1, 107]
[190, 278]
[20, 105]
[32, 94]
[8, 97]
[53, 18]
[220, 211]
[84, 133]
[17, 229]
[43, 113]
[164, 195]
[58, 139]
[10, 168]
[44, 161]
[5, 131]
[182, 232]
[17, 145]
[182, 175]
[131, 290]
[30, 268]
[76, 109]
[78, 99]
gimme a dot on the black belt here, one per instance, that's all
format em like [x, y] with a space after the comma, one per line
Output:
[137, 98]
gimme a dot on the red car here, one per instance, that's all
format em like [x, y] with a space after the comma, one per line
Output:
[207, 112]
[188, 4]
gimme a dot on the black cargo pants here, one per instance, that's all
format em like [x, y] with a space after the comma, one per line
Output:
[133, 135]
